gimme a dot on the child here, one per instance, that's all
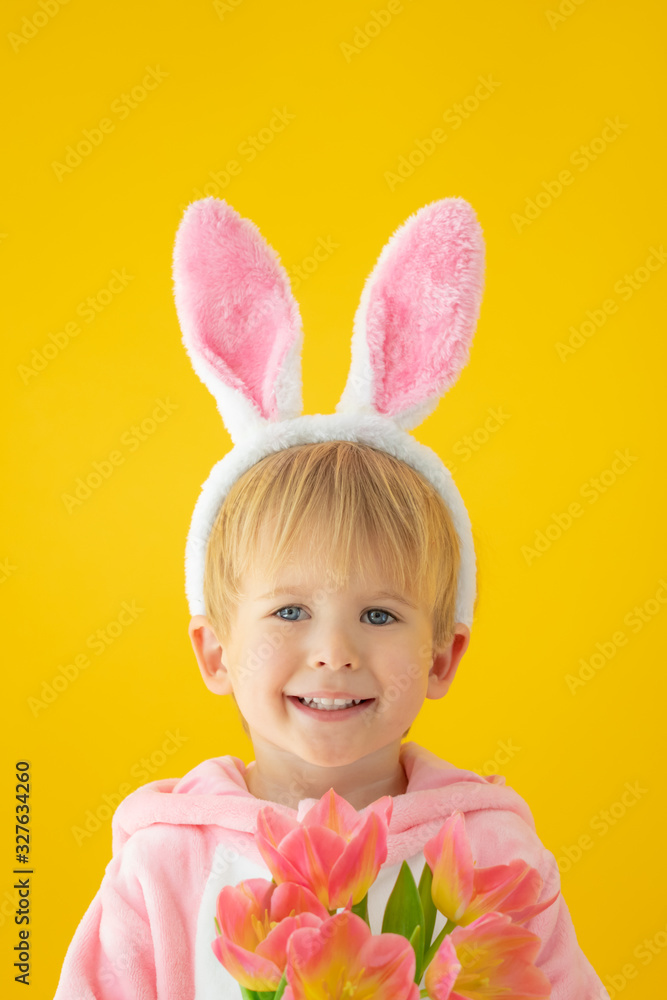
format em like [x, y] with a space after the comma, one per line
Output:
[330, 558]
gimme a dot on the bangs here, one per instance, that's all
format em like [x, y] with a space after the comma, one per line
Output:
[345, 507]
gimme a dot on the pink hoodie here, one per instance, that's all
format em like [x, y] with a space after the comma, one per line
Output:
[176, 842]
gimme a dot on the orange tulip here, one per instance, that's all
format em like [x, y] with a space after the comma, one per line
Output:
[335, 852]
[341, 959]
[256, 919]
[490, 959]
[463, 892]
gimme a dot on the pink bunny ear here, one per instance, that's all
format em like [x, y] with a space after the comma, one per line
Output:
[417, 314]
[240, 322]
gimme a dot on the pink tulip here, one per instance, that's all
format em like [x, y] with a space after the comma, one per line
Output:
[335, 852]
[341, 959]
[463, 892]
[491, 958]
[256, 919]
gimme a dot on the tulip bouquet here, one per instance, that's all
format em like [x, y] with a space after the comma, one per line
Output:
[305, 935]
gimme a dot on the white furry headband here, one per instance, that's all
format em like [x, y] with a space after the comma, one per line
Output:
[412, 332]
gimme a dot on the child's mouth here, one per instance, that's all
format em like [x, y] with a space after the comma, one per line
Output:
[330, 712]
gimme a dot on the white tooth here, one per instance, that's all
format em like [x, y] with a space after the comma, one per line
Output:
[330, 704]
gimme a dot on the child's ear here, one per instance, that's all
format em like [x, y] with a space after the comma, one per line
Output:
[446, 661]
[210, 655]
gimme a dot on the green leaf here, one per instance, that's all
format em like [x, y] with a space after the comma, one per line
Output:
[282, 986]
[428, 905]
[361, 909]
[417, 944]
[404, 909]
[248, 994]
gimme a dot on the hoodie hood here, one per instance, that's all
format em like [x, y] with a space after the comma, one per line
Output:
[215, 793]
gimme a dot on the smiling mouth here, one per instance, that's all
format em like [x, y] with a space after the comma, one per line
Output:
[331, 704]
[342, 706]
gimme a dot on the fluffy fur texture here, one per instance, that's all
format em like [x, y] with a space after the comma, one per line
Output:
[240, 322]
[417, 314]
[412, 333]
[176, 842]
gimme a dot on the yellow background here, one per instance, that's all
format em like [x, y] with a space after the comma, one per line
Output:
[67, 574]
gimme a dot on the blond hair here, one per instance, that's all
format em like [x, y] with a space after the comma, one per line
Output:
[355, 499]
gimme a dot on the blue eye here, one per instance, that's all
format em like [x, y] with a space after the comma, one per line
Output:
[379, 611]
[289, 607]
[373, 611]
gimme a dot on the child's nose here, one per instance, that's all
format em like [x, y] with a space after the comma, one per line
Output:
[333, 664]
[331, 643]
[335, 653]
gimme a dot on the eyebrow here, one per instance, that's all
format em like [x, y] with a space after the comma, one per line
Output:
[379, 595]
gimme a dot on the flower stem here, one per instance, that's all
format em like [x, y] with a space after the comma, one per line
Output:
[447, 929]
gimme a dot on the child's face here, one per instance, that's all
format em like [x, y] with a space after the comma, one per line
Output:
[307, 639]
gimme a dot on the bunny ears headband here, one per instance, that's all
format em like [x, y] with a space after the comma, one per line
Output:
[412, 332]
